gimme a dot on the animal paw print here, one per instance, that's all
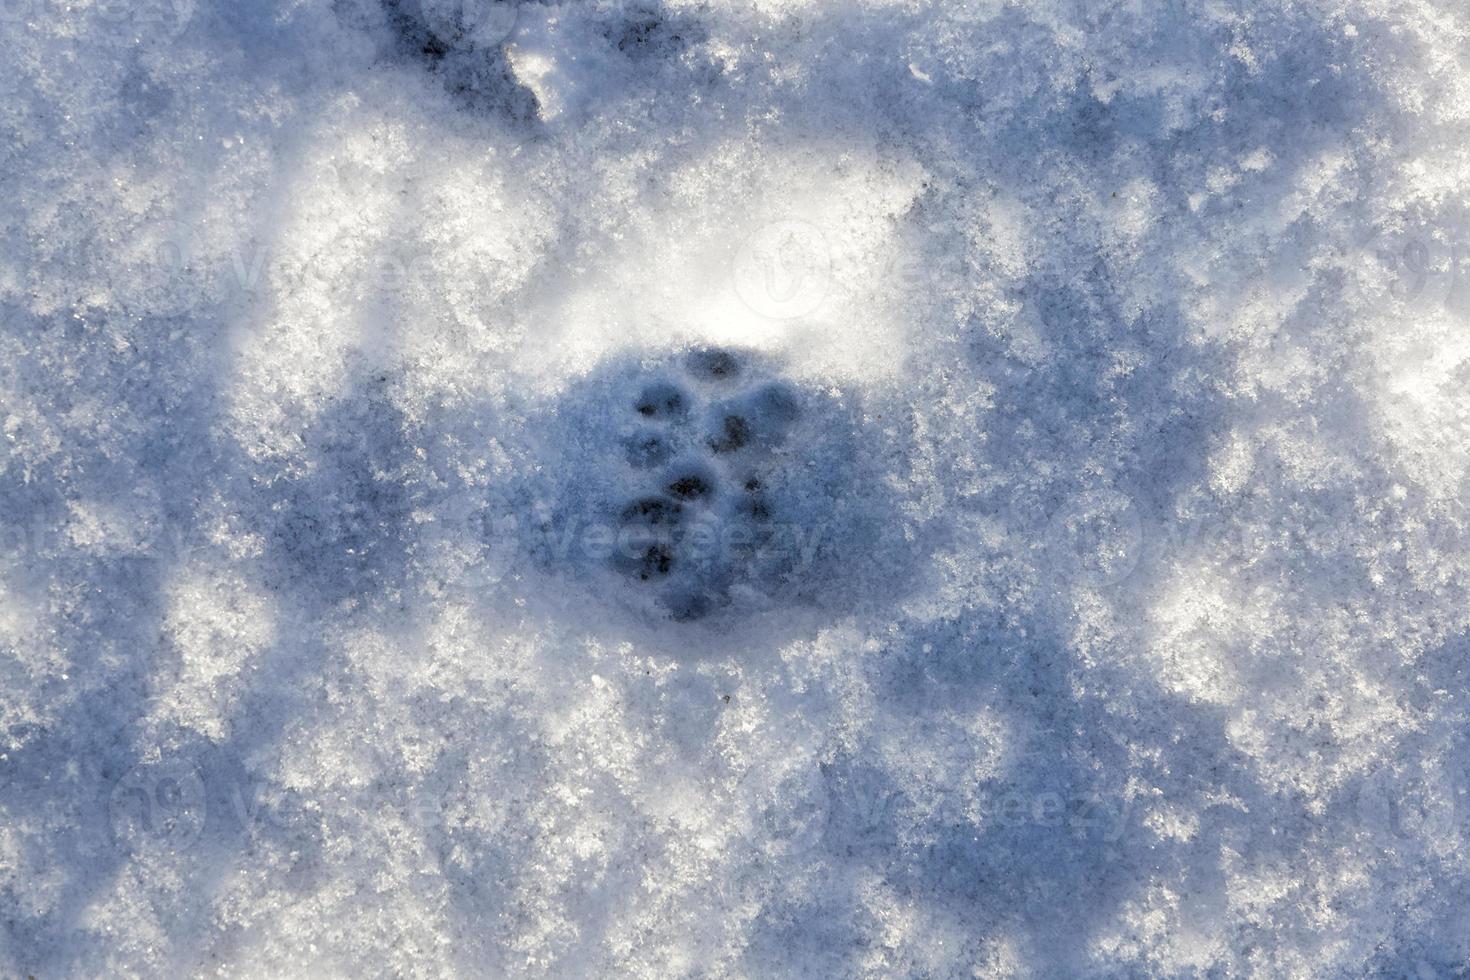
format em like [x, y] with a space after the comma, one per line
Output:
[707, 485]
[708, 438]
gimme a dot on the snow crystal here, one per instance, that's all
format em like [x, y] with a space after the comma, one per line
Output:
[668, 488]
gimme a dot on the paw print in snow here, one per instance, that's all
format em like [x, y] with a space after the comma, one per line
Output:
[709, 434]
[706, 485]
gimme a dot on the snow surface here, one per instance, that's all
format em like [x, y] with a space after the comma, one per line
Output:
[1103, 367]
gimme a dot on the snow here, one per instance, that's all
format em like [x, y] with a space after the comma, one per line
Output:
[1044, 551]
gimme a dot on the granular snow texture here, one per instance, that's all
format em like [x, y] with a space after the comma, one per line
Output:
[688, 488]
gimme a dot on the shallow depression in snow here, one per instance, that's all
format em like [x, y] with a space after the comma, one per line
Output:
[705, 485]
